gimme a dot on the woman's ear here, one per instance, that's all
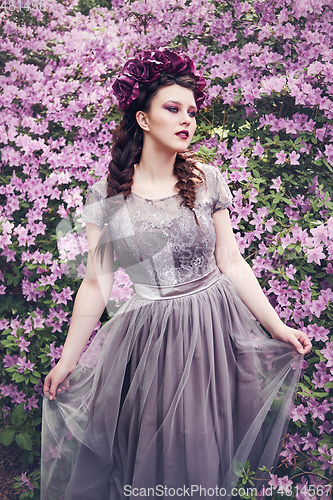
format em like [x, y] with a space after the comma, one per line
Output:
[142, 119]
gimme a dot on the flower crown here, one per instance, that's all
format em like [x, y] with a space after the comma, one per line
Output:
[147, 67]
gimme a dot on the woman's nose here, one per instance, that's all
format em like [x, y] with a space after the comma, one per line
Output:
[185, 119]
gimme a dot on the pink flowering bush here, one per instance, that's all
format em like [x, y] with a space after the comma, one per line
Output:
[267, 122]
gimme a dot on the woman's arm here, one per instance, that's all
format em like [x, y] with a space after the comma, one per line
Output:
[231, 263]
[89, 305]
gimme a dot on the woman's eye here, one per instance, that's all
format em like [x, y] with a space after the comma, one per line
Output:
[173, 109]
[192, 114]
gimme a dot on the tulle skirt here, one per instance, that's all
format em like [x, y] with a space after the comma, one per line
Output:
[171, 398]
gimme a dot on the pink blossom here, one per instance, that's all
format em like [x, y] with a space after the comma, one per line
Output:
[276, 182]
[39, 388]
[299, 413]
[63, 296]
[281, 158]
[27, 327]
[9, 360]
[319, 333]
[52, 452]
[326, 456]
[329, 268]
[327, 352]
[309, 442]
[81, 270]
[285, 483]
[23, 344]
[273, 83]
[24, 364]
[253, 195]
[329, 153]
[55, 353]
[317, 307]
[25, 481]
[258, 150]
[274, 481]
[315, 254]
[294, 158]
[306, 284]
[38, 322]
[31, 402]
[321, 377]
[269, 225]
[290, 271]
[319, 411]
[325, 428]
[287, 240]
[296, 441]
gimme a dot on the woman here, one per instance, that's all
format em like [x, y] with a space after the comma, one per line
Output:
[181, 385]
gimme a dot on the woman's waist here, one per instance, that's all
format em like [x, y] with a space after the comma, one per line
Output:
[163, 292]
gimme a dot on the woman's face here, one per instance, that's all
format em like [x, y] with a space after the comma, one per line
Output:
[171, 120]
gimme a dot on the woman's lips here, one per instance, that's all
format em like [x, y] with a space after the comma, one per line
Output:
[183, 134]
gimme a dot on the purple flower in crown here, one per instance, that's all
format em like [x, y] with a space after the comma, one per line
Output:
[147, 67]
[158, 61]
[126, 90]
[179, 65]
[141, 71]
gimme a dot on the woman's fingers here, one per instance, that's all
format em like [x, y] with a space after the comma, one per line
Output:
[295, 337]
[304, 340]
[298, 345]
[63, 388]
[55, 382]
[53, 389]
[46, 385]
[301, 342]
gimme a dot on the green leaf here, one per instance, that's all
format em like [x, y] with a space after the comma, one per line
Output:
[17, 415]
[24, 441]
[320, 394]
[329, 385]
[33, 379]
[18, 378]
[16, 280]
[7, 436]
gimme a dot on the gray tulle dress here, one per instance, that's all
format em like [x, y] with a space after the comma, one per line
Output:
[181, 386]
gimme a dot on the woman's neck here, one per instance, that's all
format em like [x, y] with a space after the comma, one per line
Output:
[156, 167]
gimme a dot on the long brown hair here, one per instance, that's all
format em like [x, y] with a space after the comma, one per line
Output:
[127, 148]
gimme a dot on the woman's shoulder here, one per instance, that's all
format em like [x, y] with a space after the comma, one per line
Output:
[98, 190]
[210, 172]
[216, 187]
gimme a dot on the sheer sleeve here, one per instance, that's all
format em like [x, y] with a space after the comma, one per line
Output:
[94, 209]
[222, 197]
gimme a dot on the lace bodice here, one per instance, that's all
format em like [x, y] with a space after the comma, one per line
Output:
[158, 242]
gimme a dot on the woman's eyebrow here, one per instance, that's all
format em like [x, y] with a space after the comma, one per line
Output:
[180, 104]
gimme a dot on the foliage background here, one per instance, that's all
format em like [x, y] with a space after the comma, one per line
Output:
[268, 123]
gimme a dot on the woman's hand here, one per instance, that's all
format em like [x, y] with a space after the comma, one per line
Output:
[297, 338]
[54, 380]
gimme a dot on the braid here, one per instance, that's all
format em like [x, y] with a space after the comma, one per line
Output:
[185, 171]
